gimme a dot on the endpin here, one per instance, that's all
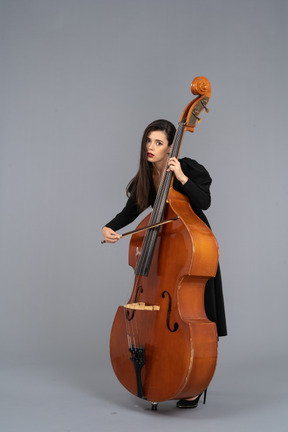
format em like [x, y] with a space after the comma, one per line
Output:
[154, 406]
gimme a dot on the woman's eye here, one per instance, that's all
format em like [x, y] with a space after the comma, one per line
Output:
[159, 143]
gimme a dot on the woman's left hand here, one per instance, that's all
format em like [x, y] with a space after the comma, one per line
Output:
[175, 167]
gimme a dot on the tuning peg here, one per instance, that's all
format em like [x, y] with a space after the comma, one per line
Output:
[205, 108]
[198, 118]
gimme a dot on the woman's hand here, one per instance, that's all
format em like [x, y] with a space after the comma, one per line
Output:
[109, 235]
[175, 167]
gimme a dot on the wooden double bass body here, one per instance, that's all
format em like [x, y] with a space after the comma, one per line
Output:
[162, 345]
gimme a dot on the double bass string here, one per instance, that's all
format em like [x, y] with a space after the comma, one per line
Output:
[150, 236]
[131, 326]
[128, 335]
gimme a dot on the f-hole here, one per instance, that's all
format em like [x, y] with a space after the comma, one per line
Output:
[169, 313]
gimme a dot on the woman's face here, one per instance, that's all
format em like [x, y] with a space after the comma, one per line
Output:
[157, 147]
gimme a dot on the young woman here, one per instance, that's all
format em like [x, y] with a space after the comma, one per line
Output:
[191, 179]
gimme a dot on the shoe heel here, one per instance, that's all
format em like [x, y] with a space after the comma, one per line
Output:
[205, 395]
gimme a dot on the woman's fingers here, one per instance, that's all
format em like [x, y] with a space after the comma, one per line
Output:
[109, 235]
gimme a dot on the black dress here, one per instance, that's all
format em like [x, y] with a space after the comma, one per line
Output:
[197, 188]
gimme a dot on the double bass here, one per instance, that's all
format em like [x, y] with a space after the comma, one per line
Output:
[162, 345]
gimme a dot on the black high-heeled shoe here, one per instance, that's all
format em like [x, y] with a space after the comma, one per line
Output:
[184, 403]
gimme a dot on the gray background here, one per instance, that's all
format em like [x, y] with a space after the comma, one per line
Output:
[80, 80]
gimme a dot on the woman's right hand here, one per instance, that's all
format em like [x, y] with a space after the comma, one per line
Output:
[109, 235]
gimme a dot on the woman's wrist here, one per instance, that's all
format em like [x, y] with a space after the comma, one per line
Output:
[183, 179]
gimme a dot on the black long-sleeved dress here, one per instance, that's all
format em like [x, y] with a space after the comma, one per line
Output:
[197, 188]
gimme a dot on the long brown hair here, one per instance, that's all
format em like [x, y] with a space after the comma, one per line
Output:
[139, 186]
